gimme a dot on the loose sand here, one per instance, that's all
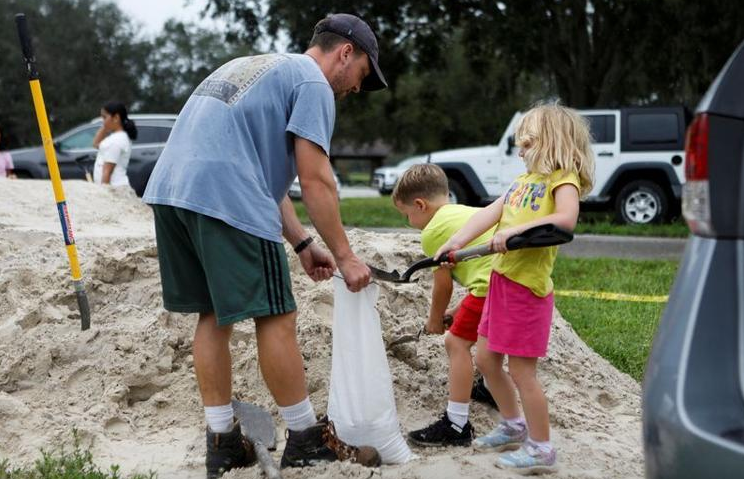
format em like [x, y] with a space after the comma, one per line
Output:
[127, 384]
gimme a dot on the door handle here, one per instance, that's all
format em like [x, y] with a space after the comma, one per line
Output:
[605, 153]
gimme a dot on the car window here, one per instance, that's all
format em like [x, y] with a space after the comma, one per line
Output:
[652, 128]
[602, 128]
[152, 134]
[81, 139]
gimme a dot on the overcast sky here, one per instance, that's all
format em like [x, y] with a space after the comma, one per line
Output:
[153, 13]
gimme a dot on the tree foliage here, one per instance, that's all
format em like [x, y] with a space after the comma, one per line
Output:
[88, 52]
[459, 68]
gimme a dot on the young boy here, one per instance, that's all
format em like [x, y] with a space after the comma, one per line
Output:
[422, 195]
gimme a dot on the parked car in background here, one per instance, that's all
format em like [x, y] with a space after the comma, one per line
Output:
[75, 152]
[639, 172]
[295, 190]
[384, 178]
[693, 390]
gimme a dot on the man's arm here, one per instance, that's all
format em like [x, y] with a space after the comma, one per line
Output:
[316, 261]
[292, 229]
[320, 198]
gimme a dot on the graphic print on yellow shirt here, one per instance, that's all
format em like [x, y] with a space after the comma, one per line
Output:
[474, 274]
[530, 197]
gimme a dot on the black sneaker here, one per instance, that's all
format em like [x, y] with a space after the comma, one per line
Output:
[481, 393]
[227, 450]
[442, 433]
[319, 443]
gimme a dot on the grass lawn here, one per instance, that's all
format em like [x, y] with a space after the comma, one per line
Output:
[620, 331]
[375, 212]
[380, 212]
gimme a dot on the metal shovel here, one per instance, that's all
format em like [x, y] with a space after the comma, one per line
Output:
[409, 338]
[258, 426]
[535, 237]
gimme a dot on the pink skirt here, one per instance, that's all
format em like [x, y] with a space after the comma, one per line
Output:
[514, 320]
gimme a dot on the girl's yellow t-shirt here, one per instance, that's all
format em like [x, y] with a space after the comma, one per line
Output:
[530, 197]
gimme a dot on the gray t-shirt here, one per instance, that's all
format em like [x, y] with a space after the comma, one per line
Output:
[231, 152]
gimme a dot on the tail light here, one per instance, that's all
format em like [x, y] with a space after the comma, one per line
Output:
[696, 191]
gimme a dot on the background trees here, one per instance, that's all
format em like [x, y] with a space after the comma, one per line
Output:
[458, 69]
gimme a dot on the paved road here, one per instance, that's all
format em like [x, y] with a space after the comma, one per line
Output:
[595, 246]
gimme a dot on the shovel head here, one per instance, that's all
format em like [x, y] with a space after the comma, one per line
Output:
[256, 423]
[390, 276]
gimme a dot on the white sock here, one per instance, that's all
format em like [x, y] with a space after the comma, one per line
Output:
[219, 418]
[299, 416]
[544, 446]
[457, 412]
[516, 422]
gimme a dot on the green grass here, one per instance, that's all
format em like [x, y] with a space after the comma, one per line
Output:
[65, 464]
[603, 224]
[373, 212]
[620, 331]
[380, 212]
[359, 178]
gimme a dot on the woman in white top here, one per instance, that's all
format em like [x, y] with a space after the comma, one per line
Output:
[114, 143]
[6, 162]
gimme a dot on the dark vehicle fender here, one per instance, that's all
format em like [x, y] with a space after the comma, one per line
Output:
[636, 171]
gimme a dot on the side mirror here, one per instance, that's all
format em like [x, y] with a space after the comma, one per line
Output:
[57, 146]
[510, 144]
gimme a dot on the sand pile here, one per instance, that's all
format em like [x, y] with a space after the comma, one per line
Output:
[127, 384]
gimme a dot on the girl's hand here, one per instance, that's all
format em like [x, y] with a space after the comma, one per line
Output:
[447, 247]
[498, 242]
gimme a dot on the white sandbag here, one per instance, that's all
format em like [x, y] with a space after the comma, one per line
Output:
[360, 401]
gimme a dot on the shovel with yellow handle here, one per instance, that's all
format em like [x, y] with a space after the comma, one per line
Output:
[51, 158]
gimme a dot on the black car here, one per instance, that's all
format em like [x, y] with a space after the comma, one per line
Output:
[693, 391]
[75, 152]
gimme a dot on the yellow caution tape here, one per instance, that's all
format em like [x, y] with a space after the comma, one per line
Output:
[612, 296]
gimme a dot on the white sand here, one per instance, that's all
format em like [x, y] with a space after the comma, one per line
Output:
[127, 385]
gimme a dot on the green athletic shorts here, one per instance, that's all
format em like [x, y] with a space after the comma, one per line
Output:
[207, 265]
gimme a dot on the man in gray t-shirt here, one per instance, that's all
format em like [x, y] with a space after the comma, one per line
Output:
[219, 196]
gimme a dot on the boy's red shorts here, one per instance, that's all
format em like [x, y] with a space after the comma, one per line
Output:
[466, 320]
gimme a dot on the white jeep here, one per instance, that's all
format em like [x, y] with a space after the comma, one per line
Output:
[639, 163]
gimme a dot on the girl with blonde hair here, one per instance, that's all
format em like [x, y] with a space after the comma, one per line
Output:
[555, 144]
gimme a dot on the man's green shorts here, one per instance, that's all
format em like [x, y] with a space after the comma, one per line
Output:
[207, 265]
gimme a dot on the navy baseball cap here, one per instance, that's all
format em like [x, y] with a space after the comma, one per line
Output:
[355, 29]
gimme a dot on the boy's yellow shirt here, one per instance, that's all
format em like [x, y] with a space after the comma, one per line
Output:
[530, 197]
[473, 274]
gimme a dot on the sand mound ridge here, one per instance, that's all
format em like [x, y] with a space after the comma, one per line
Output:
[127, 385]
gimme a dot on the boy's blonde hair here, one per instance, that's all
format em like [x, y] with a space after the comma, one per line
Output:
[426, 180]
[556, 137]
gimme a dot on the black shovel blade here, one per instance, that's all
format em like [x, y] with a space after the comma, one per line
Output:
[390, 276]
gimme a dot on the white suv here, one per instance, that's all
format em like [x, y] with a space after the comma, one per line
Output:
[639, 171]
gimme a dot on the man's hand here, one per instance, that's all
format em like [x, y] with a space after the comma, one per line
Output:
[356, 274]
[317, 262]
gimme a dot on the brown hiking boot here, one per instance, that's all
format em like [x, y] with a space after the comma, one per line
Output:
[319, 443]
[227, 450]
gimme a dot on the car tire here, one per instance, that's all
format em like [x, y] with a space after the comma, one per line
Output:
[22, 175]
[641, 202]
[457, 193]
